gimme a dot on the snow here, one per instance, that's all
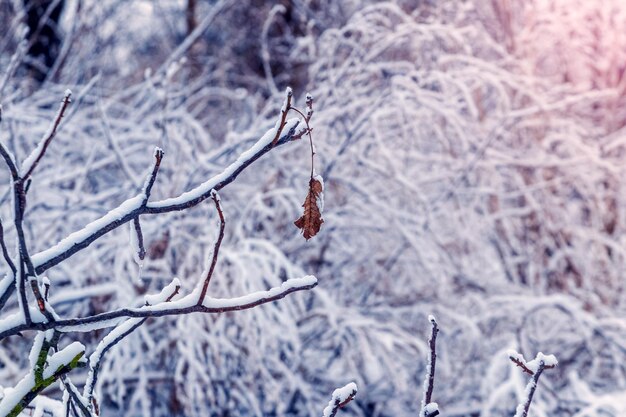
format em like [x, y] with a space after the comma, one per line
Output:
[431, 408]
[16, 319]
[5, 283]
[533, 365]
[288, 94]
[339, 396]
[12, 396]
[63, 357]
[547, 360]
[34, 351]
[167, 291]
[320, 197]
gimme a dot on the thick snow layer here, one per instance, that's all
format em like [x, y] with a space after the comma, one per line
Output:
[340, 395]
[548, 360]
[431, 408]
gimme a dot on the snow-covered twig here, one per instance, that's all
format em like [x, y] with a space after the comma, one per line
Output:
[339, 398]
[535, 368]
[30, 163]
[430, 409]
[216, 249]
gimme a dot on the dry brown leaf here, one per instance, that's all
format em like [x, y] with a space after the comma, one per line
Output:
[311, 220]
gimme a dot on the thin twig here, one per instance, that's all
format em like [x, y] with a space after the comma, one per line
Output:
[19, 206]
[522, 365]
[9, 161]
[283, 119]
[216, 249]
[535, 368]
[158, 156]
[429, 382]
[139, 233]
[5, 252]
[19, 196]
[75, 396]
[43, 146]
[308, 132]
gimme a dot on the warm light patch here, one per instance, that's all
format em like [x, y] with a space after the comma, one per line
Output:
[582, 42]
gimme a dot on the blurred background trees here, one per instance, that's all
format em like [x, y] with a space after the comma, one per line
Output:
[472, 154]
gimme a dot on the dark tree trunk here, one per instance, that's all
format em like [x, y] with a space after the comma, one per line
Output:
[44, 37]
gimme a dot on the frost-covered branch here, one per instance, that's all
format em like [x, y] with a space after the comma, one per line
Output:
[44, 371]
[535, 368]
[216, 249]
[187, 305]
[30, 163]
[340, 397]
[430, 409]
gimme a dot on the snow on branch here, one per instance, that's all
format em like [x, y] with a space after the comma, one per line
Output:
[13, 324]
[430, 409]
[340, 397]
[535, 368]
[44, 371]
[134, 206]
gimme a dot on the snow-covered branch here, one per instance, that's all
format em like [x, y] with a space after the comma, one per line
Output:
[429, 408]
[340, 398]
[134, 207]
[535, 368]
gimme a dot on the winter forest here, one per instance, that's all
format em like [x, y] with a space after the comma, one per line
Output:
[313, 208]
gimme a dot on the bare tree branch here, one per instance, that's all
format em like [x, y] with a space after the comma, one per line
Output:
[216, 249]
[5, 252]
[33, 159]
[8, 159]
[283, 118]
